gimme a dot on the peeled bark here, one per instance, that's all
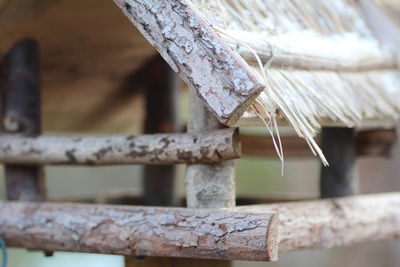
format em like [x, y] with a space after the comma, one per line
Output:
[140, 231]
[197, 53]
[213, 146]
[208, 185]
[324, 224]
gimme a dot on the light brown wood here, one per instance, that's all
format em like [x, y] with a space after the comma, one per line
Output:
[140, 231]
[198, 54]
[373, 143]
[213, 146]
[324, 224]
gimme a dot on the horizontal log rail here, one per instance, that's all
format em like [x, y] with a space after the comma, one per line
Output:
[323, 224]
[154, 149]
[140, 231]
[373, 143]
[245, 232]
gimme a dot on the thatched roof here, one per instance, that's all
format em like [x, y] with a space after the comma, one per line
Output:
[319, 61]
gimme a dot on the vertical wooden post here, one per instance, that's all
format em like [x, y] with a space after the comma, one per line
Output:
[340, 177]
[208, 185]
[161, 92]
[21, 99]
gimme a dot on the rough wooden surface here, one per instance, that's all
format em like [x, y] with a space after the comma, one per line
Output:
[20, 115]
[340, 178]
[208, 185]
[373, 143]
[324, 224]
[193, 49]
[213, 146]
[140, 231]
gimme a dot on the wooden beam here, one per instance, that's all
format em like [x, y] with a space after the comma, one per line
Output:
[155, 149]
[140, 231]
[324, 224]
[340, 178]
[316, 224]
[198, 54]
[372, 143]
[161, 90]
[19, 82]
[208, 185]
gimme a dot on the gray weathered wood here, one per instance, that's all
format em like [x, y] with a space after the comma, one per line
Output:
[197, 53]
[340, 178]
[213, 146]
[324, 224]
[140, 231]
[19, 83]
[208, 185]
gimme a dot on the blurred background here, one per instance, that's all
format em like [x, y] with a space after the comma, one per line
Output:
[86, 66]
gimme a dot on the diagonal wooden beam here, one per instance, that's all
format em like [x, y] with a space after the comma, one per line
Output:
[189, 44]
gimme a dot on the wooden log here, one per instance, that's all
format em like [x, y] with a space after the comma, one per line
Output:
[198, 54]
[140, 231]
[20, 114]
[161, 90]
[372, 143]
[312, 53]
[155, 149]
[208, 185]
[324, 224]
[340, 178]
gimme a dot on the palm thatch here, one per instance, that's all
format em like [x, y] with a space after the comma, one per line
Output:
[319, 60]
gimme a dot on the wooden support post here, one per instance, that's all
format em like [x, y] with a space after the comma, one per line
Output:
[208, 185]
[340, 148]
[19, 84]
[161, 117]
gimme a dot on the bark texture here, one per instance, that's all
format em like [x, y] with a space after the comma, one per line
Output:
[193, 49]
[208, 185]
[140, 231]
[324, 224]
[20, 114]
[213, 146]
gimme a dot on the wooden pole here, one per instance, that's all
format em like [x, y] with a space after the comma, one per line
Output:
[193, 49]
[340, 177]
[161, 117]
[154, 149]
[140, 231]
[19, 83]
[329, 223]
[208, 185]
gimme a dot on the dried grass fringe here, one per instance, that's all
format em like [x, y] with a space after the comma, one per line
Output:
[304, 97]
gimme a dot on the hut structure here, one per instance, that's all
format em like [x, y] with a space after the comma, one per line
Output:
[319, 64]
